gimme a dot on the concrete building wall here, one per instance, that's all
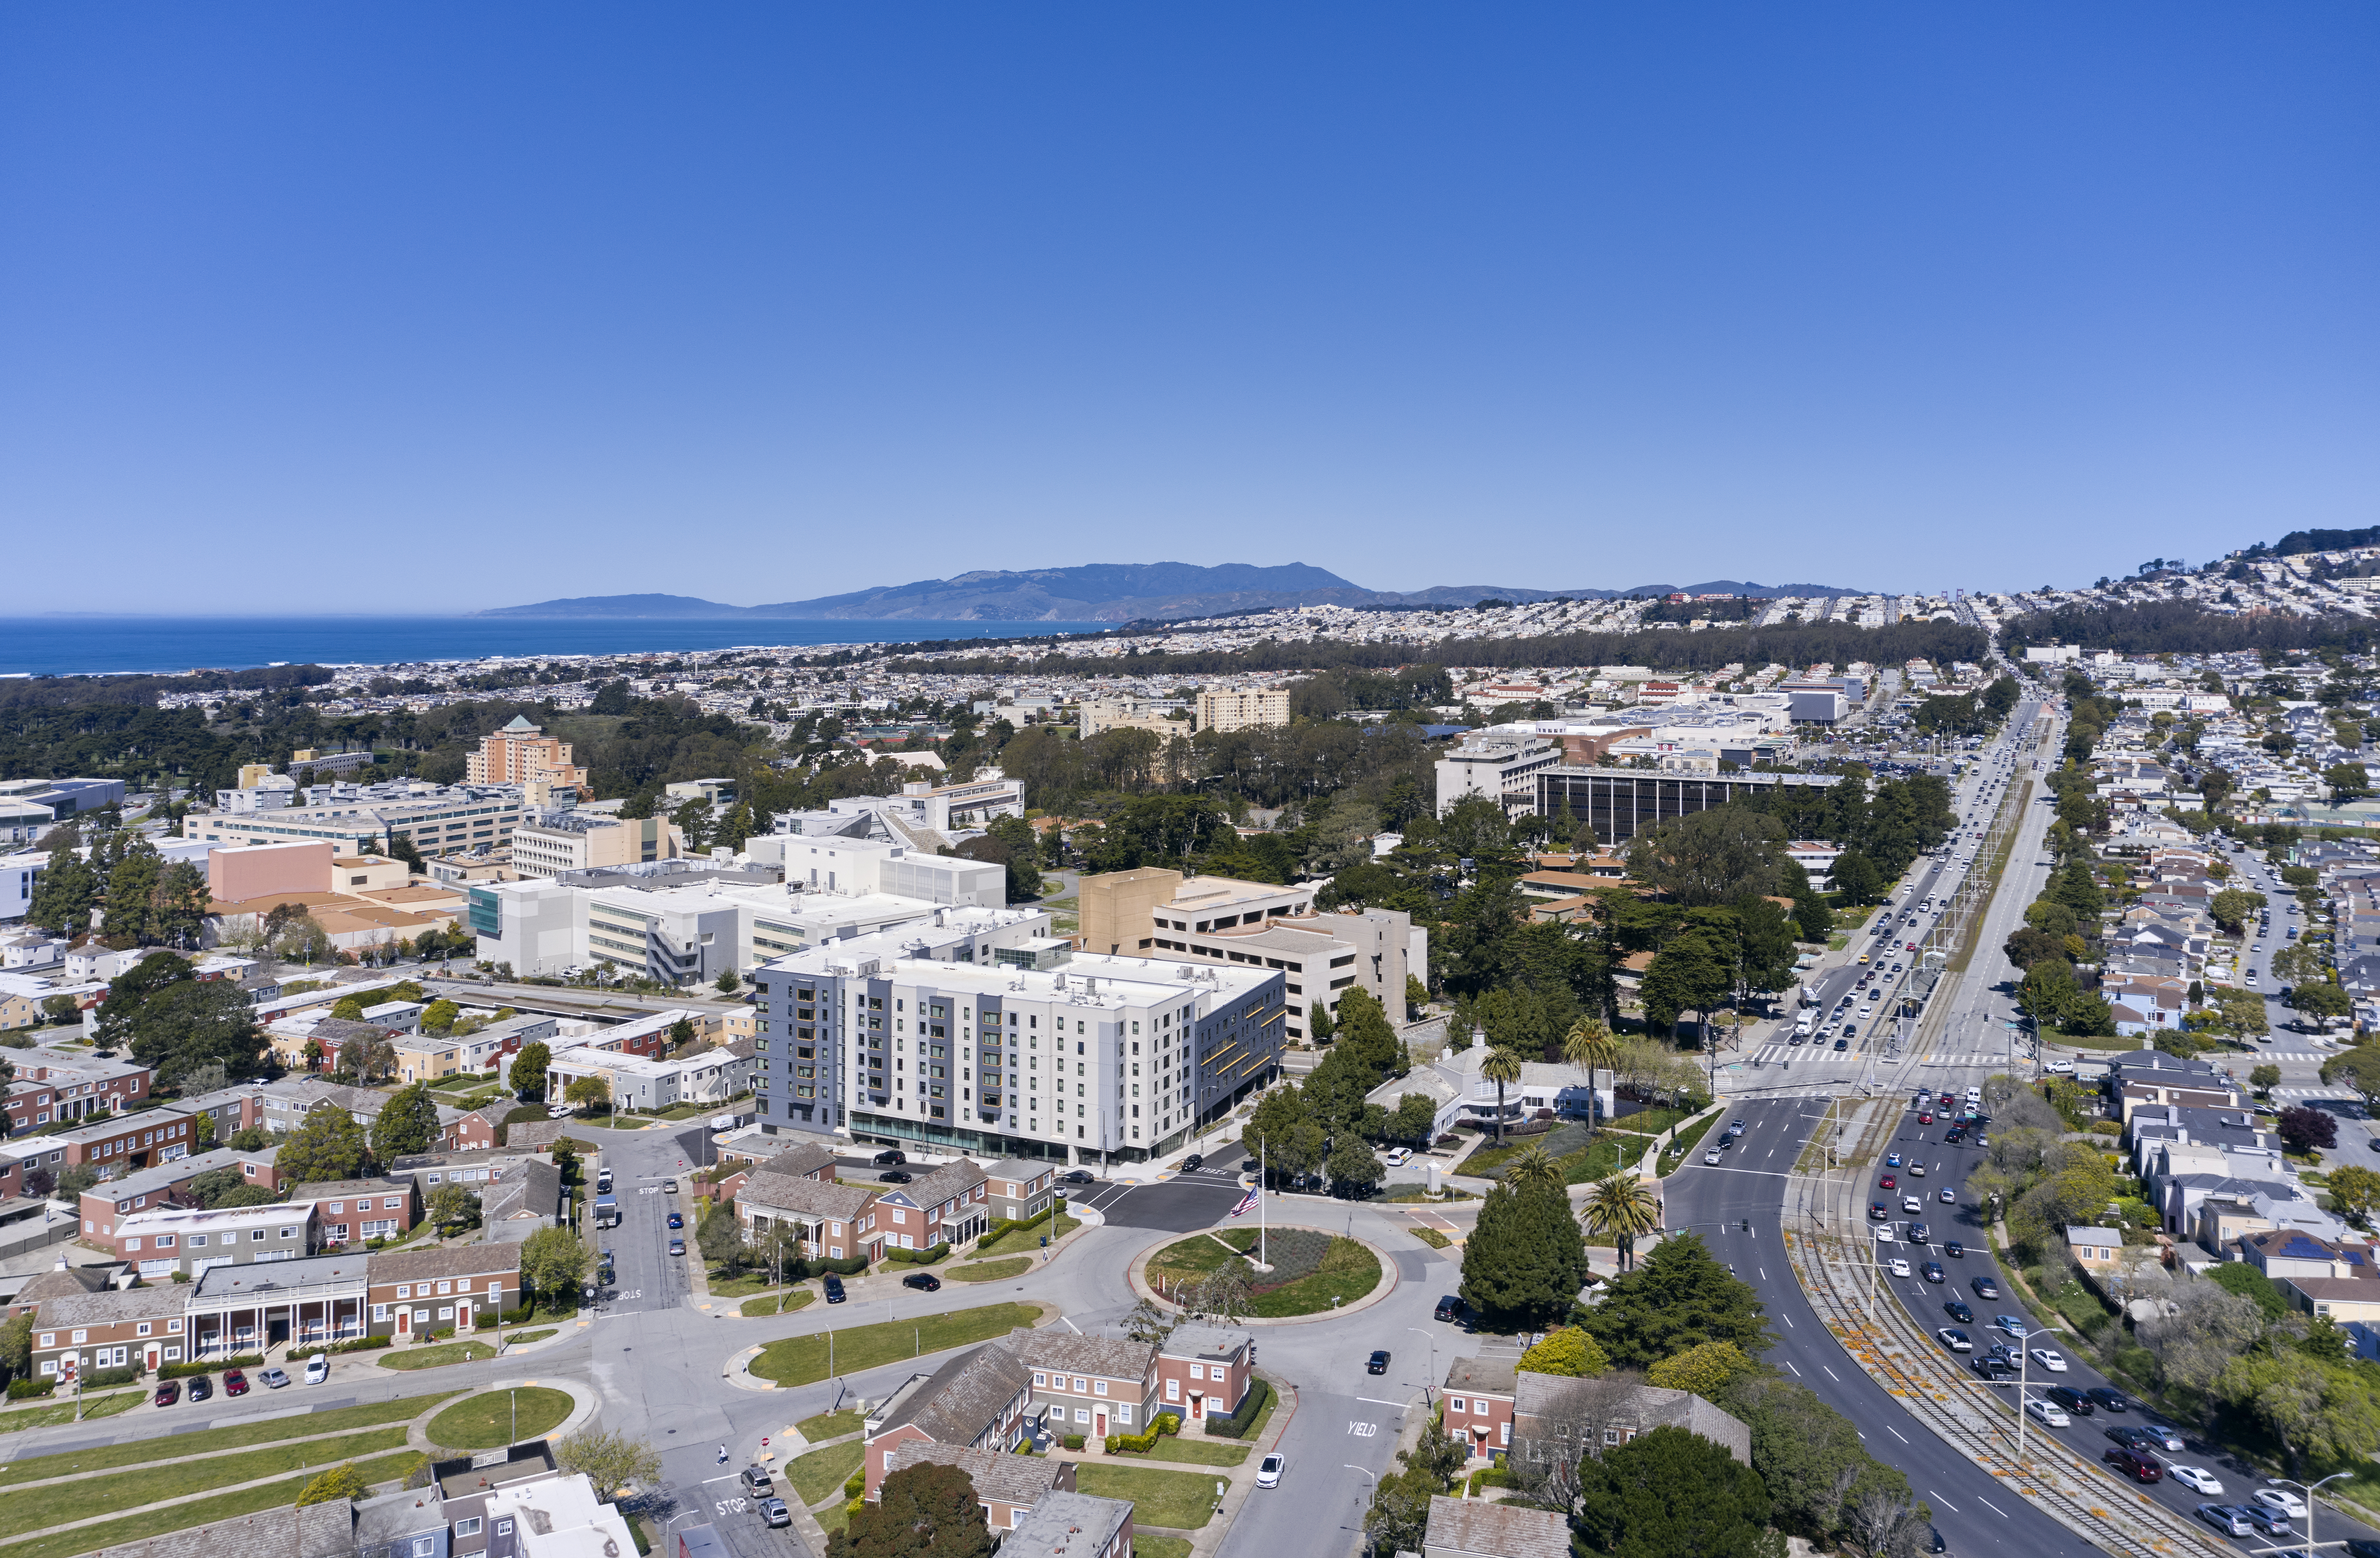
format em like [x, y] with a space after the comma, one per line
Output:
[258, 870]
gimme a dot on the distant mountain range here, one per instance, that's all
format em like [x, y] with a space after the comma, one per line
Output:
[1113, 592]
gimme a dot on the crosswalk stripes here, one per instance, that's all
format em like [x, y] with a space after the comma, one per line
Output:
[2312, 1092]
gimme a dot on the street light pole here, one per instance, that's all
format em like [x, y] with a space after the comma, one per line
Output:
[1433, 1359]
[2311, 1545]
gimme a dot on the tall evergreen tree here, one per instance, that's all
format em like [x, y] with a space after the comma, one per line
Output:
[1525, 1260]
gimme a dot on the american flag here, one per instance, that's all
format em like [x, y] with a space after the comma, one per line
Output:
[1248, 1202]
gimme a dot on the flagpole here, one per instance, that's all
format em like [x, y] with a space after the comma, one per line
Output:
[1263, 1262]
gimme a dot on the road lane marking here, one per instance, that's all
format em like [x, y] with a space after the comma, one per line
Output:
[1831, 1374]
[1786, 1317]
[1376, 1400]
[1894, 1431]
[1946, 1504]
[1763, 1271]
[1992, 1507]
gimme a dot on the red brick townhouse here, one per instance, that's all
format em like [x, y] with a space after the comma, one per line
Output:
[944, 1206]
[167, 1185]
[358, 1210]
[977, 1401]
[1006, 1486]
[416, 1290]
[115, 1328]
[1204, 1371]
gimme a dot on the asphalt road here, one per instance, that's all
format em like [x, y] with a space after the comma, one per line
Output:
[1973, 1513]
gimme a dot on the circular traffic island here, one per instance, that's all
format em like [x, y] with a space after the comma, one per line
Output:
[1313, 1271]
[486, 1421]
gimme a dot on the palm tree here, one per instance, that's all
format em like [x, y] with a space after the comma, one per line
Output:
[1502, 1067]
[1624, 1207]
[1533, 1168]
[1590, 1047]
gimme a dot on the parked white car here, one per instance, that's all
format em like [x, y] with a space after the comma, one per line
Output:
[1269, 1471]
[318, 1369]
[2060, 1067]
[1397, 1157]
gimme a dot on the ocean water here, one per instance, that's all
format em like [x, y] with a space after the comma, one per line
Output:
[81, 645]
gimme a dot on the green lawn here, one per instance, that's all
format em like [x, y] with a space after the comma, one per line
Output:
[521, 1338]
[485, 1422]
[1199, 1452]
[1159, 1547]
[199, 1512]
[146, 1452]
[783, 1302]
[823, 1472]
[801, 1360]
[436, 1357]
[836, 1516]
[1179, 1501]
[1431, 1237]
[173, 1479]
[1199, 1254]
[105, 1405]
[992, 1271]
[1023, 1241]
[830, 1425]
[1349, 1271]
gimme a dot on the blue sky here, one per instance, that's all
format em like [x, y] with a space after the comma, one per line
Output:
[439, 307]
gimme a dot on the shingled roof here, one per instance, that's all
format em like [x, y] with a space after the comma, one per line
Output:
[1104, 1355]
[1475, 1528]
[960, 1402]
[1008, 1478]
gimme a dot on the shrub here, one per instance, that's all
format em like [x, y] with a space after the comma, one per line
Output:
[360, 1345]
[855, 1484]
[1489, 1477]
[918, 1257]
[25, 1389]
[1000, 1225]
[850, 1268]
[1238, 1423]
[1072, 1440]
[110, 1377]
[211, 1365]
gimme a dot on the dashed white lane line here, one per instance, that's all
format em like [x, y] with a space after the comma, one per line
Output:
[1992, 1507]
[1831, 1374]
[1946, 1504]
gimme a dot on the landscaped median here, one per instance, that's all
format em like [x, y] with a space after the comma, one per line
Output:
[802, 1360]
[1312, 1271]
[191, 1465]
[783, 1302]
[499, 1417]
[435, 1356]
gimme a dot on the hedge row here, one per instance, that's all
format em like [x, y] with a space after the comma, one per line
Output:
[1239, 1422]
[1006, 1226]
[918, 1257]
[855, 1484]
[25, 1389]
[111, 1377]
[1142, 1443]
[854, 1267]
[360, 1345]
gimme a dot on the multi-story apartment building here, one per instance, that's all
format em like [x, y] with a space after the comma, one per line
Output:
[1091, 1057]
[416, 1290]
[119, 1146]
[359, 1211]
[1243, 708]
[114, 1328]
[1204, 1371]
[1017, 1188]
[796, 1078]
[453, 818]
[1155, 716]
[522, 753]
[167, 1185]
[1090, 1385]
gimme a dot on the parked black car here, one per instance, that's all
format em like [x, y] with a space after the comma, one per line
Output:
[926, 1282]
[1079, 1176]
[200, 1387]
[834, 1289]
[894, 1176]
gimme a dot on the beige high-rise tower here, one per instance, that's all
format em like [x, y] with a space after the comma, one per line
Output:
[523, 754]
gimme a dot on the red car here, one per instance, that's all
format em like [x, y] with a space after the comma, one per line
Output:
[1885, 1184]
[234, 1382]
[169, 1393]
[1924, 1118]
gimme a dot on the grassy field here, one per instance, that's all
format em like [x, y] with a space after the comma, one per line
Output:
[1349, 1271]
[1199, 1254]
[145, 1452]
[783, 1302]
[484, 1422]
[801, 1360]
[1199, 1452]
[992, 1271]
[1023, 1241]
[1431, 1237]
[1179, 1501]
[198, 1511]
[436, 1357]
[521, 1338]
[836, 1516]
[822, 1472]
[94, 1407]
[132, 1487]
[830, 1425]
[1159, 1547]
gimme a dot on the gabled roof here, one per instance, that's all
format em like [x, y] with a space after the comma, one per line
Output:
[947, 1183]
[805, 1198]
[1475, 1528]
[1007, 1478]
[1103, 1355]
[964, 1399]
[468, 1260]
[107, 1306]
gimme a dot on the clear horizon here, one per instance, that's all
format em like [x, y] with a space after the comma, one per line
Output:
[453, 309]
